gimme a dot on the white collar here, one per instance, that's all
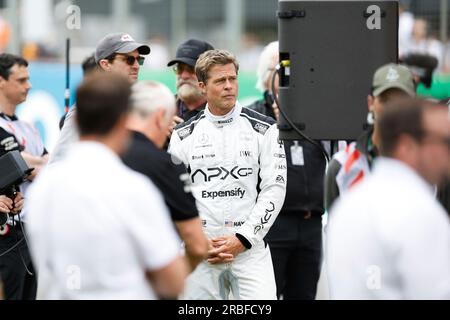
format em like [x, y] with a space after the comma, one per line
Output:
[99, 151]
[228, 119]
[396, 168]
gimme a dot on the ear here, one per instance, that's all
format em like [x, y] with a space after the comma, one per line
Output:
[202, 87]
[161, 118]
[2, 82]
[370, 101]
[104, 64]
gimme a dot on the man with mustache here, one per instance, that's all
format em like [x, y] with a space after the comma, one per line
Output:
[190, 99]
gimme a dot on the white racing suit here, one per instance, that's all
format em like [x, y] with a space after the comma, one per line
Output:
[237, 168]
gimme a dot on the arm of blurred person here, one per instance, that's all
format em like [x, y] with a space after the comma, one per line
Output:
[195, 241]
[36, 162]
[168, 282]
[156, 240]
[331, 188]
[6, 204]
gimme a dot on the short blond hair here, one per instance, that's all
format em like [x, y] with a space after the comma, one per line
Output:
[211, 58]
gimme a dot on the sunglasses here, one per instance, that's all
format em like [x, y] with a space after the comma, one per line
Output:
[130, 60]
[181, 67]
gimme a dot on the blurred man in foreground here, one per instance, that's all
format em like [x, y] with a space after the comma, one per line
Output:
[389, 238]
[153, 107]
[104, 223]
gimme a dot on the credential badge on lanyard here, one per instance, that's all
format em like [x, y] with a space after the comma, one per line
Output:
[297, 155]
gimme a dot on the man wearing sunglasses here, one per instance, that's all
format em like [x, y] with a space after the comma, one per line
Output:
[118, 53]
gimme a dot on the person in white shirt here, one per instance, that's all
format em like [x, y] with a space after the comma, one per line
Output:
[405, 27]
[95, 226]
[422, 43]
[389, 238]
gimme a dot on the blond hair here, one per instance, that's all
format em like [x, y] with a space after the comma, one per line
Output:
[211, 58]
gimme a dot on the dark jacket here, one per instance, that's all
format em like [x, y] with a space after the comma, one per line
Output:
[184, 113]
[305, 183]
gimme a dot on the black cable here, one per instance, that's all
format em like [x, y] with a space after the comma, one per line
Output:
[18, 242]
[67, 91]
[293, 126]
[28, 246]
[11, 249]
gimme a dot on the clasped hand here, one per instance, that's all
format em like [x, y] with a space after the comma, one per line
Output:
[224, 249]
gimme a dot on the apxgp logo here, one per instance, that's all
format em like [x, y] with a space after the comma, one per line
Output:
[221, 173]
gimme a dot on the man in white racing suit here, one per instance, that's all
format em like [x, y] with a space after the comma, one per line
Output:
[237, 168]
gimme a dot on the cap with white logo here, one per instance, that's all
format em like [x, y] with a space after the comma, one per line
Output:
[118, 43]
[392, 76]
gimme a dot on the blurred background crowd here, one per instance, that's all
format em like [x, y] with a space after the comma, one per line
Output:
[38, 29]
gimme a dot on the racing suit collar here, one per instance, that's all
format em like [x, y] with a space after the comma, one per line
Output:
[228, 119]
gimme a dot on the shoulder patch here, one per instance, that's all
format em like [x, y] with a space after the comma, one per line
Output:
[259, 122]
[8, 142]
[185, 129]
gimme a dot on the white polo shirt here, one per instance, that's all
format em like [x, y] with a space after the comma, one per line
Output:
[389, 239]
[21, 136]
[95, 226]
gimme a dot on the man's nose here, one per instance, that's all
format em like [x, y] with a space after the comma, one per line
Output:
[185, 74]
[136, 64]
[228, 84]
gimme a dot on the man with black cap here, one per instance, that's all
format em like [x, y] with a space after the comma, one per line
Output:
[118, 53]
[190, 99]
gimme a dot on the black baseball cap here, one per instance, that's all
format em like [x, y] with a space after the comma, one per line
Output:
[118, 43]
[189, 51]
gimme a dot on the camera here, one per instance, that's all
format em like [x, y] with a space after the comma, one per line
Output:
[13, 172]
[422, 67]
